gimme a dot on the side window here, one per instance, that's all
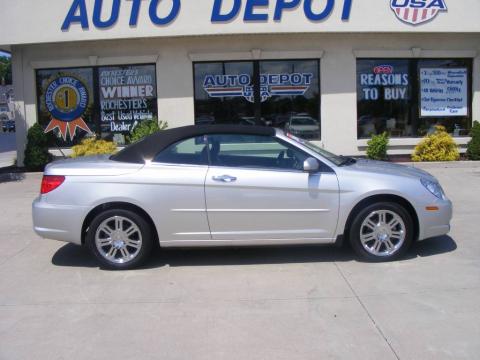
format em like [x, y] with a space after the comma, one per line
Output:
[193, 151]
[251, 151]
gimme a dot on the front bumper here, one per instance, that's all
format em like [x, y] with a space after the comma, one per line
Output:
[436, 223]
[58, 222]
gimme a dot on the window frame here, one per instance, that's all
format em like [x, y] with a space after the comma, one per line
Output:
[257, 105]
[415, 100]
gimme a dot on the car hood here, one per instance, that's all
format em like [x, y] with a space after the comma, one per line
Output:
[100, 165]
[386, 168]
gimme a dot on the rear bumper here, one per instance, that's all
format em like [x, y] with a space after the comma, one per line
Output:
[436, 223]
[58, 222]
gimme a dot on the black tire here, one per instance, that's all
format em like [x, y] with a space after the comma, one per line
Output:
[146, 236]
[361, 216]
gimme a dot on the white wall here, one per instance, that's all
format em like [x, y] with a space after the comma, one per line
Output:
[175, 79]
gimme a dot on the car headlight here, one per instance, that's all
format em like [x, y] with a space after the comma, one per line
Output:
[434, 188]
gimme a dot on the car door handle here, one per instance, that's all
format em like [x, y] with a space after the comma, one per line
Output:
[225, 178]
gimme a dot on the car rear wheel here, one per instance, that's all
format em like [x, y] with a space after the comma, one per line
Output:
[120, 239]
[382, 232]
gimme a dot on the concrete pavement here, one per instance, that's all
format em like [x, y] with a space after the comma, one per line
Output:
[268, 303]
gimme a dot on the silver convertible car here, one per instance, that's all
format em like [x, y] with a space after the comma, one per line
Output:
[221, 185]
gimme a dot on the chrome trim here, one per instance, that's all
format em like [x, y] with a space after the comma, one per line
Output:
[269, 210]
[251, 210]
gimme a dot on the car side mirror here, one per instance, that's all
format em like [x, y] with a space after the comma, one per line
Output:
[311, 165]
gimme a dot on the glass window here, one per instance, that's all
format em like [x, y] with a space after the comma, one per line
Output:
[444, 96]
[224, 93]
[128, 95]
[384, 90]
[193, 151]
[290, 95]
[254, 152]
[336, 159]
[408, 97]
[107, 101]
[66, 104]
[284, 94]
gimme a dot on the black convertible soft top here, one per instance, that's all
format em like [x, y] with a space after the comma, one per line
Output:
[147, 148]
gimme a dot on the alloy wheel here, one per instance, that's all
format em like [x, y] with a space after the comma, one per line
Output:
[382, 233]
[118, 239]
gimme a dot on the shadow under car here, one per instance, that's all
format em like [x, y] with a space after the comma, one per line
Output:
[71, 255]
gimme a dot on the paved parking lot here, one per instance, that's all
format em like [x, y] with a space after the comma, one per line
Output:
[269, 303]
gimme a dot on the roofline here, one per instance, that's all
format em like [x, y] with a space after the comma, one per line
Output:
[147, 148]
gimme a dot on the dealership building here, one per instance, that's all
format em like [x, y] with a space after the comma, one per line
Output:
[332, 71]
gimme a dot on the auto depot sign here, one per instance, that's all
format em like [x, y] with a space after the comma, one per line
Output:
[33, 21]
[413, 12]
[222, 11]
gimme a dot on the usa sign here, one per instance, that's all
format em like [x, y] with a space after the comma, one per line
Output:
[416, 12]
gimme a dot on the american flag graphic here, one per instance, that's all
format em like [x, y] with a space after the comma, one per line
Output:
[415, 15]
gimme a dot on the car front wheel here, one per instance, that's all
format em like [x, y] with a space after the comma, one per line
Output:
[382, 232]
[120, 239]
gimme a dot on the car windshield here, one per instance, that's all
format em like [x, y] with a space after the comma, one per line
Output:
[336, 159]
[303, 121]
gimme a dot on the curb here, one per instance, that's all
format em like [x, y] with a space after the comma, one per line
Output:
[445, 164]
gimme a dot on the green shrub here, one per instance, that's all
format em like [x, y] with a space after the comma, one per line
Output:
[377, 147]
[473, 147]
[438, 146]
[146, 128]
[92, 146]
[36, 151]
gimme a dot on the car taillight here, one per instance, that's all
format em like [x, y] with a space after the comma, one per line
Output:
[50, 183]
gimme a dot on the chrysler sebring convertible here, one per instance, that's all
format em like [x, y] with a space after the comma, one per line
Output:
[221, 185]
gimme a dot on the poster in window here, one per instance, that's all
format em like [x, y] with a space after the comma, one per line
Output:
[128, 95]
[66, 102]
[444, 92]
[384, 81]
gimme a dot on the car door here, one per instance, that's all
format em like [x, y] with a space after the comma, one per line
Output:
[256, 191]
[173, 186]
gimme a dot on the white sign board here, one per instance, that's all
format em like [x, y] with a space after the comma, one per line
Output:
[444, 92]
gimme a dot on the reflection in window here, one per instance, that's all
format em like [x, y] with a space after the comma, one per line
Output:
[250, 151]
[408, 97]
[293, 100]
[224, 93]
[284, 94]
[192, 151]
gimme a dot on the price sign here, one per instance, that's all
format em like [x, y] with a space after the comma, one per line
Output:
[444, 92]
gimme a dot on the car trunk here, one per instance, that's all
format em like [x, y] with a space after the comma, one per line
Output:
[100, 165]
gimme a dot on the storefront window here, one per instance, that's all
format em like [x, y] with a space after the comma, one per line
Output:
[128, 95]
[284, 94]
[107, 101]
[409, 97]
[291, 96]
[224, 93]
